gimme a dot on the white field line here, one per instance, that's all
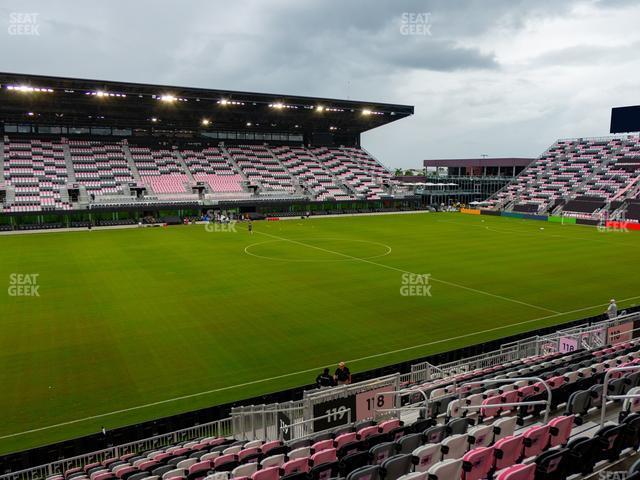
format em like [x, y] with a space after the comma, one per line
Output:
[529, 233]
[308, 370]
[389, 267]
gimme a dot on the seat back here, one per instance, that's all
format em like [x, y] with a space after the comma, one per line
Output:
[245, 470]
[273, 461]
[396, 466]
[535, 440]
[480, 436]
[426, 456]
[504, 427]
[507, 451]
[454, 446]
[477, 463]
[325, 456]
[446, 470]
[435, 434]
[381, 452]
[270, 473]
[409, 443]
[552, 465]
[560, 430]
[295, 466]
[518, 472]
[371, 472]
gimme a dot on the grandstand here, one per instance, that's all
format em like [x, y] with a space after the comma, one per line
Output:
[89, 144]
[582, 177]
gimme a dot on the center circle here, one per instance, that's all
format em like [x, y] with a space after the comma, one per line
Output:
[318, 250]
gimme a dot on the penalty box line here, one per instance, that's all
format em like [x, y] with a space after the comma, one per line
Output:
[445, 282]
[301, 372]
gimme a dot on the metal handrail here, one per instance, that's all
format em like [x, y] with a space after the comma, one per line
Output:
[605, 397]
[513, 380]
[310, 420]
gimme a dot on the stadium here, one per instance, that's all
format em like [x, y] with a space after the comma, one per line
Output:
[187, 269]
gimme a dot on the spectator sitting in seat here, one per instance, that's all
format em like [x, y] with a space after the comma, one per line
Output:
[325, 379]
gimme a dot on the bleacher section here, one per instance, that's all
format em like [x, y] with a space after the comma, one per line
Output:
[486, 422]
[100, 166]
[591, 172]
[159, 170]
[37, 172]
[106, 169]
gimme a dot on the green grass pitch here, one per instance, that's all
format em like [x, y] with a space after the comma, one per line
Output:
[128, 321]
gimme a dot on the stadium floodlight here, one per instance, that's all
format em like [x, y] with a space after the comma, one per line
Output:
[333, 128]
[277, 105]
[366, 111]
[319, 108]
[224, 101]
[102, 93]
[249, 124]
[154, 119]
[28, 89]
[31, 114]
[206, 121]
[167, 98]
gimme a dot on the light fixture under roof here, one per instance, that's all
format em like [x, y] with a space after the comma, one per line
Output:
[28, 89]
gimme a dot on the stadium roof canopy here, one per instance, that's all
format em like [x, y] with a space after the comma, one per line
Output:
[72, 101]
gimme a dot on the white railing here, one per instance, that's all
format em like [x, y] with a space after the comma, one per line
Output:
[219, 428]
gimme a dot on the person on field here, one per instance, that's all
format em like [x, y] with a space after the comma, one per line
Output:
[342, 376]
[325, 379]
[250, 227]
[612, 311]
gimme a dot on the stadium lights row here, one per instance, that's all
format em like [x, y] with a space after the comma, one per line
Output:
[26, 88]
[169, 98]
[224, 101]
[280, 106]
[366, 111]
[101, 93]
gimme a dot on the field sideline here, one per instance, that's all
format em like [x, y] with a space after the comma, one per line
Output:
[135, 324]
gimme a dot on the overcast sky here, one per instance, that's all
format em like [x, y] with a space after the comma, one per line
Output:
[502, 77]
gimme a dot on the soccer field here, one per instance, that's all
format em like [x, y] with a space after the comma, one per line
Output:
[135, 324]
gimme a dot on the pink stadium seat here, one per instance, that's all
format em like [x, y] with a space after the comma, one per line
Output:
[325, 456]
[518, 472]
[507, 451]
[322, 445]
[365, 432]
[535, 440]
[271, 473]
[477, 463]
[295, 466]
[560, 430]
[268, 446]
[345, 438]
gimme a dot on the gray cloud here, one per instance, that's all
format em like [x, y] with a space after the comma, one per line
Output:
[501, 77]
